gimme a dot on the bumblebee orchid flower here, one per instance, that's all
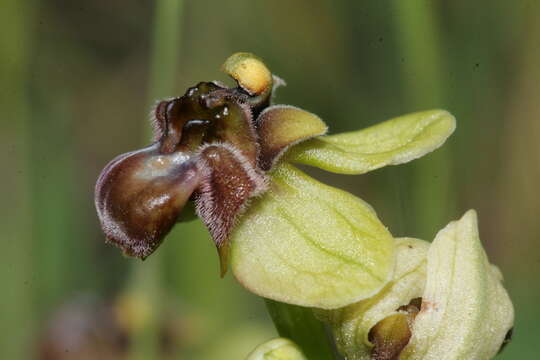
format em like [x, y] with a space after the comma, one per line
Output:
[230, 153]
[445, 301]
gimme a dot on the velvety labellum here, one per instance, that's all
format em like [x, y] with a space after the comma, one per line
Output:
[140, 195]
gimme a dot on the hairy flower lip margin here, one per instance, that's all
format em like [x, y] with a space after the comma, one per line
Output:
[216, 194]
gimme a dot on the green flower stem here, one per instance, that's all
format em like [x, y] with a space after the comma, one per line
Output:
[145, 291]
[300, 325]
[423, 70]
[146, 276]
[17, 313]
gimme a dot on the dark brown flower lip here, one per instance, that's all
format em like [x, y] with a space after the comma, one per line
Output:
[140, 195]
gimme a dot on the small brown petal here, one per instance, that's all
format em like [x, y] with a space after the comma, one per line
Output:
[228, 182]
[139, 196]
[281, 126]
[390, 336]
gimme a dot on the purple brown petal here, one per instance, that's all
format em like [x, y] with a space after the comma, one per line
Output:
[228, 182]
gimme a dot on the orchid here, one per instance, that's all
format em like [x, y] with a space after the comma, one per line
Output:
[229, 154]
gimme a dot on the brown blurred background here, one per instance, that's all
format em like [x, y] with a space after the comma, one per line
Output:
[76, 82]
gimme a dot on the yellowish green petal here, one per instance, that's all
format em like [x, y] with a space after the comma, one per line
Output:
[351, 324]
[309, 244]
[277, 349]
[466, 312]
[392, 142]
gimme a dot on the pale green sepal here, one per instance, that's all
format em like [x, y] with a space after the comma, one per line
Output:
[351, 325]
[392, 142]
[277, 349]
[310, 244]
[466, 312]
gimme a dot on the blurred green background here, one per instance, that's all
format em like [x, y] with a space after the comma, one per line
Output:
[77, 79]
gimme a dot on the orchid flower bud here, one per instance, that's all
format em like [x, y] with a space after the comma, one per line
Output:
[466, 312]
[446, 301]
